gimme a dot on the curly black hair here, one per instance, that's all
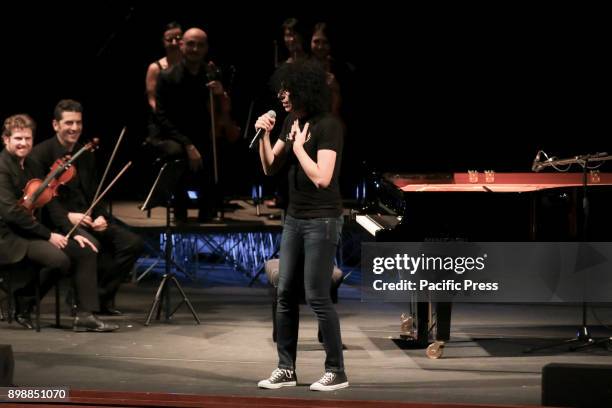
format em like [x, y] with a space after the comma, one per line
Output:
[306, 81]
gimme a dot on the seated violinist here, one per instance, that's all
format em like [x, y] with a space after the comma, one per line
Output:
[119, 248]
[22, 236]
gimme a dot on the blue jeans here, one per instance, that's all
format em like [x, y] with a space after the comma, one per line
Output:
[308, 248]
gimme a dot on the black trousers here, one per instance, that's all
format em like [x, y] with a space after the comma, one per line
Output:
[209, 196]
[74, 261]
[119, 249]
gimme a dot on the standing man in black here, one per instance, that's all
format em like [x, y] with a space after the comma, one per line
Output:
[183, 112]
[22, 236]
[119, 248]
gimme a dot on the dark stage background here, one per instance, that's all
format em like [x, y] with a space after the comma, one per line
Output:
[435, 90]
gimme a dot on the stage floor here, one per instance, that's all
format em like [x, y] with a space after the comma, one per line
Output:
[232, 349]
[239, 215]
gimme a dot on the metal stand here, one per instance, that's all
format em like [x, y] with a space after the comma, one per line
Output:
[162, 296]
[583, 336]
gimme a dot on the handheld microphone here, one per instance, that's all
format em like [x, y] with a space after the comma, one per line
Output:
[536, 162]
[260, 132]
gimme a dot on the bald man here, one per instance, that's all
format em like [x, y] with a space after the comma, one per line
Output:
[183, 113]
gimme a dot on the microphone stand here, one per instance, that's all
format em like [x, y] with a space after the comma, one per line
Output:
[580, 160]
[162, 295]
[583, 335]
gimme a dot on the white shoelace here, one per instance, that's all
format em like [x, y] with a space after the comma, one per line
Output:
[327, 378]
[279, 372]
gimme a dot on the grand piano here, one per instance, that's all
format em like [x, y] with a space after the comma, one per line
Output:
[489, 207]
[485, 207]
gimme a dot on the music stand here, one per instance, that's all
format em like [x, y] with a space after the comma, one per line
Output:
[583, 335]
[160, 193]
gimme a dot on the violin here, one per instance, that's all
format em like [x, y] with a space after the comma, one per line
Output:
[37, 193]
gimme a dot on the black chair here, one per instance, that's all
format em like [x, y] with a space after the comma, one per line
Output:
[272, 273]
[6, 285]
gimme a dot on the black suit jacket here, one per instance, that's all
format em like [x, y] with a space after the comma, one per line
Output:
[77, 195]
[16, 224]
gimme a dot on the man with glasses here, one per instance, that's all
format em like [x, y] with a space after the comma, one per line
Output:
[183, 112]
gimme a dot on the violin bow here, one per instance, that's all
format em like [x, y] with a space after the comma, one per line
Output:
[90, 209]
[214, 136]
[109, 163]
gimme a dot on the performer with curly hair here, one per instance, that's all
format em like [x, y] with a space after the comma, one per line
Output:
[310, 142]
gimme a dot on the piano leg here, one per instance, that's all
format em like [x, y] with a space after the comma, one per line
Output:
[435, 350]
[443, 322]
[407, 327]
[419, 338]
[423, 322]
[426, 322]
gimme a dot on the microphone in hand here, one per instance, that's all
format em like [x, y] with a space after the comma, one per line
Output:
[260, 132]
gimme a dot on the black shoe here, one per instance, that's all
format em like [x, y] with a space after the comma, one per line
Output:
[88, 322]
[23, 311]
[107, 308]
[280, 378]
[109, 311]
[25, 320]
[330, 381]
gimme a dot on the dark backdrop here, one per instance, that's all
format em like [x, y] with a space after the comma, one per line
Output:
[441, 90]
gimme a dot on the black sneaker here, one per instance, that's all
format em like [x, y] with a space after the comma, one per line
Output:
[330, 381]
[280, 377]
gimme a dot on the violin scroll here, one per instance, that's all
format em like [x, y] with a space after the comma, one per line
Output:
[93, 145]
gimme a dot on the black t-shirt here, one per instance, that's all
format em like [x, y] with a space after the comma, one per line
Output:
[305, 199]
